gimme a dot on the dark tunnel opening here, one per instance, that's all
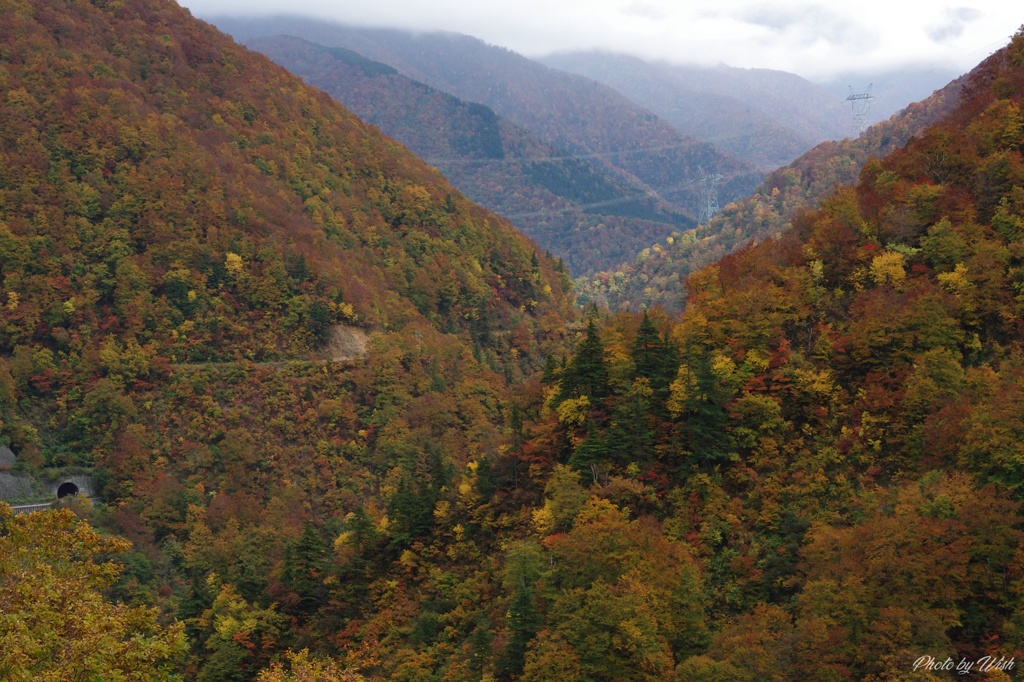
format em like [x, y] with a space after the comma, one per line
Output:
[66, 489]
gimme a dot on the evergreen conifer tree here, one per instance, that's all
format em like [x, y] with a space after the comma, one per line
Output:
[587, 372]
[303, 570]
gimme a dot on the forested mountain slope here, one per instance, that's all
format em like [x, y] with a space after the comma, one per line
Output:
[767, 118]
[572, 207]
[831, 431]
[656, 275]
[589, 120]
[183, 227]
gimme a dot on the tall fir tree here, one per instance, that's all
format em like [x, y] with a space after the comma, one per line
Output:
[303, 570]
[587, 371]
[524, 622]
[655, 358]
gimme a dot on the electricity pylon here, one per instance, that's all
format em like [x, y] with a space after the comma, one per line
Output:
[708, 195]
[860, 102]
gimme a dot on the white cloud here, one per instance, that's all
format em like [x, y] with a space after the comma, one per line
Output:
[813, 38]
[955, 24]
[646, 10]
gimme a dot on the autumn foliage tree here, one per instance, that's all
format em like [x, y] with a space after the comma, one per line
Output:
[56, 622]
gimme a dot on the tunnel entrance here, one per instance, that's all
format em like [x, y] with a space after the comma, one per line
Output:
[66, 489]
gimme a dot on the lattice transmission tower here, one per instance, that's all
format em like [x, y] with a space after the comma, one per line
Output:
[860, 102]
[708, 195]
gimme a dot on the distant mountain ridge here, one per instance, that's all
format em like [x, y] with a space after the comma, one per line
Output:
[764, 117]
[573, 207]
[587, 119]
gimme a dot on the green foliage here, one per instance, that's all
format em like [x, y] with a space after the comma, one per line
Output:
[523, 566]
[240, 637]
[551, 658]
[303, 568]
[564, 497]
[627, 598]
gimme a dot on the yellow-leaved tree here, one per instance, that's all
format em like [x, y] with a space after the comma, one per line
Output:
[55, 622]
[306, 669]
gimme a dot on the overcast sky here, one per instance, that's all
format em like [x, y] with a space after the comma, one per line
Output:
[813, 39]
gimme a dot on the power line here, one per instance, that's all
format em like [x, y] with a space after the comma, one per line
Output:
[708, 198]
[435, 161]
[708, 183]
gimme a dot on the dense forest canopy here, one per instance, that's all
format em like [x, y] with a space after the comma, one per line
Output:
[813, 472]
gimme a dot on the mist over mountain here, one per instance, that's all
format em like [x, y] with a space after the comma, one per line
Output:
[764, 117]
[892, 90]
[574, 207]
